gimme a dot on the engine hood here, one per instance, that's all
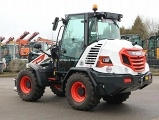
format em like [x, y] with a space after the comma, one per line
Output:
[117, 44]
[119, 57]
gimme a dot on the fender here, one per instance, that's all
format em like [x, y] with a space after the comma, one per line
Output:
[85, 70]
[40, 74]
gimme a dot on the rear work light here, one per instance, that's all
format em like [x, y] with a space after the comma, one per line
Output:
[150, 77]
[127, 80]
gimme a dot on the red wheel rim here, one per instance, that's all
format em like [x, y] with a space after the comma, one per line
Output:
[25, 84]
[78, 91]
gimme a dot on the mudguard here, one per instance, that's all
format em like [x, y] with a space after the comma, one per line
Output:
[40, 73]
[85, 70]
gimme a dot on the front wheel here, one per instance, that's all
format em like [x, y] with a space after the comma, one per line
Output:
[27, 86]
[80, 92]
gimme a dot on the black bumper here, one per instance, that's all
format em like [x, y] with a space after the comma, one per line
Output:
[111, 84]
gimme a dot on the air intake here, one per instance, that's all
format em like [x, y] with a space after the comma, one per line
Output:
[92, 54]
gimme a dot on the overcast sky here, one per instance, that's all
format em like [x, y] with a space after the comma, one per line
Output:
[17, 16]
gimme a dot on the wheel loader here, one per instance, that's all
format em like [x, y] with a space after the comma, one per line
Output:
[88, 63]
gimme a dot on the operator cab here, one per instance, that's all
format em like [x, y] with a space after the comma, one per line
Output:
[83, 29]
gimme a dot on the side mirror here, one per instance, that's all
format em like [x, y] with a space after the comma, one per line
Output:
[37, 46]
[55, 23]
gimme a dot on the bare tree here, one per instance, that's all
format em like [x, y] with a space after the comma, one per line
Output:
[152, 25]
[123, 30]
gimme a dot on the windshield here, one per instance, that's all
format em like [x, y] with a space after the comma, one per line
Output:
[103, 29]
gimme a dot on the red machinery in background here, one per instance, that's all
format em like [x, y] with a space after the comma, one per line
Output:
[25, 49]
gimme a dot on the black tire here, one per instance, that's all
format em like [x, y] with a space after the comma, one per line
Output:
[116, 99]
[80, 92]
[57, 90]
[27, 86]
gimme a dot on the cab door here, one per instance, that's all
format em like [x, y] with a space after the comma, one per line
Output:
[153, 51]
[72, 42]
[152, 45]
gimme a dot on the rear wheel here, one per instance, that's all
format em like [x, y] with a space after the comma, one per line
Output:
[27, 86]
[116, 99]
[80, 92]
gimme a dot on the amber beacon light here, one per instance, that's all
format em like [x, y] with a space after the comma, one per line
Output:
[95, 7]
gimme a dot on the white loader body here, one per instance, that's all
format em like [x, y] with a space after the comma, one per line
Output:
[112, 49]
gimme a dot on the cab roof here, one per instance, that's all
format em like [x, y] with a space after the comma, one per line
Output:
[108, 15]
